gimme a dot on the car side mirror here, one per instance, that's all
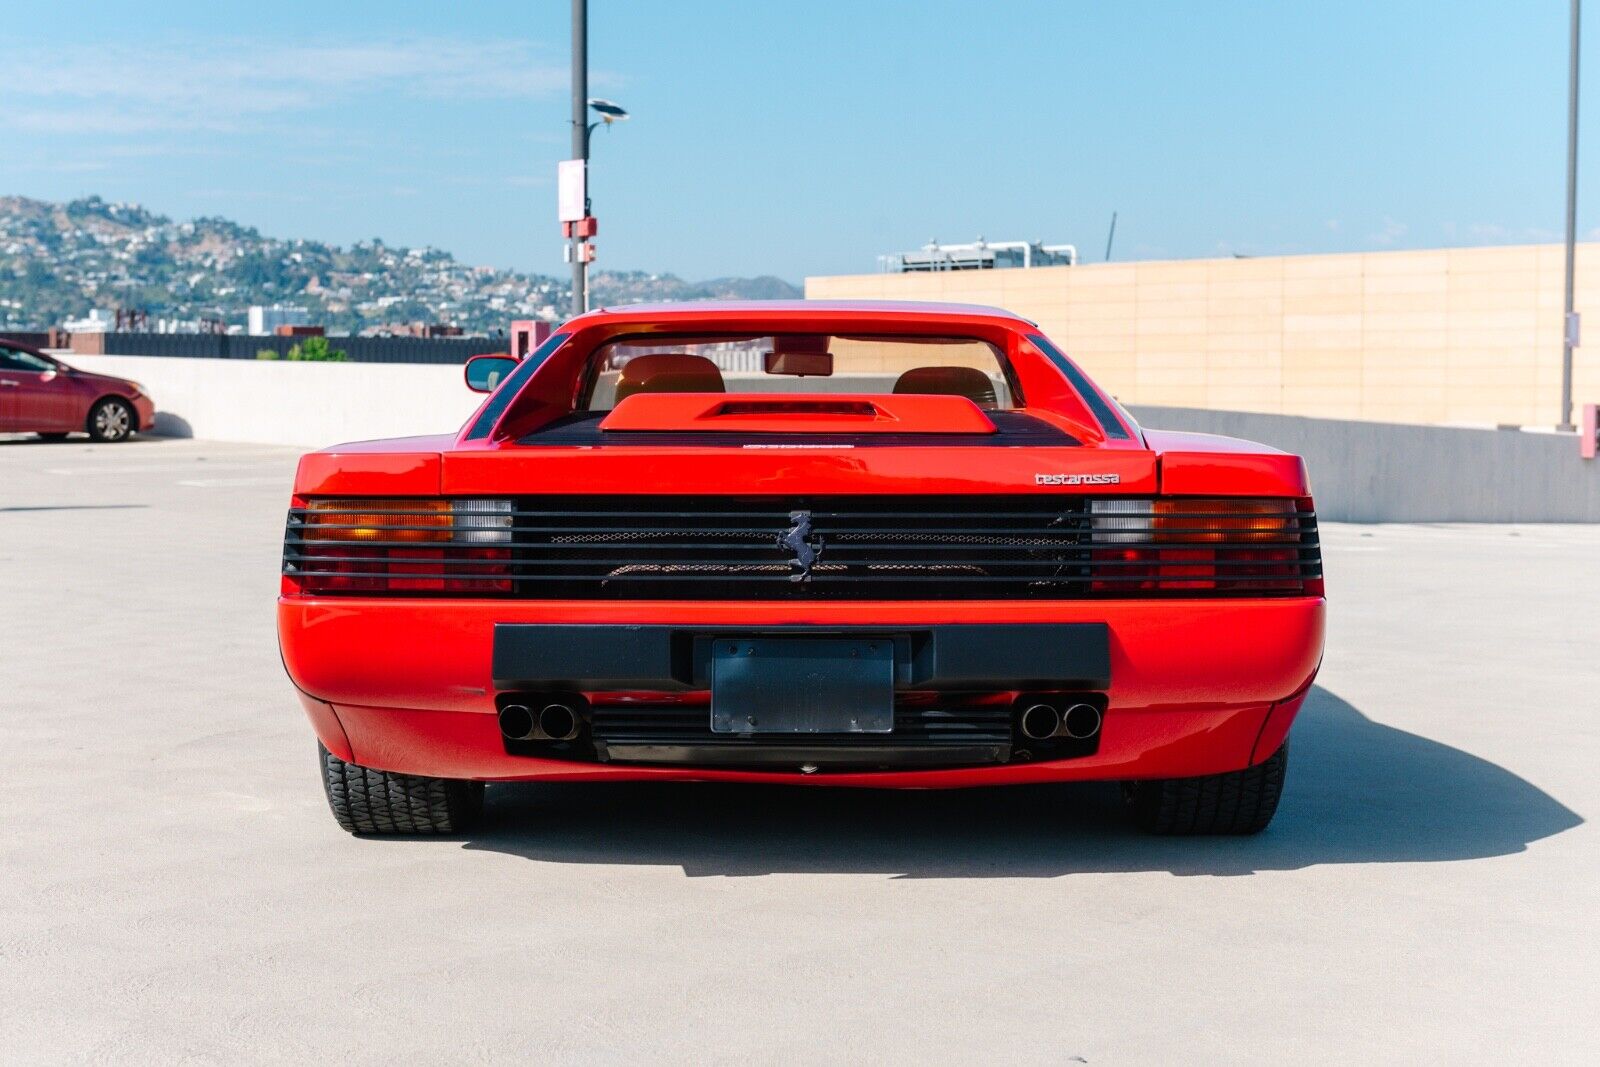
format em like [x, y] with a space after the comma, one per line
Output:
[485, 373]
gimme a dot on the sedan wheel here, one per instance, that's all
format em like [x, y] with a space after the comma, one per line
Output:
[110, 420]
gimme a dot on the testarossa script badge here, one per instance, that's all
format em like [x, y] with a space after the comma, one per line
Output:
[1076, 479]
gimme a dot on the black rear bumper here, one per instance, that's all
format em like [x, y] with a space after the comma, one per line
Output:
[970, 657]
[952, 686]
[883, 756]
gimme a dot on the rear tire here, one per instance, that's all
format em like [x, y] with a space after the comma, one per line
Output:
[365, 801]
[110, 420]
[1238, 802]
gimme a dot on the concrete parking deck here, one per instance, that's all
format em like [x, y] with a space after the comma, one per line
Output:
[173, 888]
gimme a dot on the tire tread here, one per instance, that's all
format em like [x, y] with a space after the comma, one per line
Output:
[373, 802]
[1236, 802]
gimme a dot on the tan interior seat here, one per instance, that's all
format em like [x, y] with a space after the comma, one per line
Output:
[669, 372]
[969, 382]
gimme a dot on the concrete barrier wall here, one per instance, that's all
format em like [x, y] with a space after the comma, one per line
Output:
[1388, 472]
[1360, 471]
[310, 404]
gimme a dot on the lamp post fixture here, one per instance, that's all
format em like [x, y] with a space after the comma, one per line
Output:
[578, 223]
[1569, 322]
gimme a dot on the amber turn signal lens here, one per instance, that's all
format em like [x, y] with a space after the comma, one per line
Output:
[1238, 519]
[359, 519]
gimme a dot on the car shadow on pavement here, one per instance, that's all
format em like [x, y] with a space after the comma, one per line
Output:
[21, 440]
[1358, 792]
[78, 507]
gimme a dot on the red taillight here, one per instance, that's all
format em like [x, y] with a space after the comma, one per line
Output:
[398, 546]
[377, 520]
[1217, 545]
[351, 569]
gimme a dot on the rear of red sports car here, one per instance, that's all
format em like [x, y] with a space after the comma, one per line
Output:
[828, 543]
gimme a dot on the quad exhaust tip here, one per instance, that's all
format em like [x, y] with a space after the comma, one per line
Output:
[555, 721]
[558, 722]
[516, 722]
[1042, 721]
[1039, 721]
[1081, 722]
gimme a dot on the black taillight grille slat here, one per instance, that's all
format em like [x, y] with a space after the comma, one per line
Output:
[769, 545]
[321, 562]
[679, 725]
[819, 585]
[714, 548]
[1223, 566]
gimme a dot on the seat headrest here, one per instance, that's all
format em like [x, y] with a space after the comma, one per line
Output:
[969, 382]
[669, 372]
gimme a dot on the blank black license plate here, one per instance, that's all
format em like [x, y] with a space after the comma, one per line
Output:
[809, 685]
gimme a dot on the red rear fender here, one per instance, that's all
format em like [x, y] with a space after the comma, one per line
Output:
[338, 472]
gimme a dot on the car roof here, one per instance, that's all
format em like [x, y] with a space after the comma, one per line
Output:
[855, 311]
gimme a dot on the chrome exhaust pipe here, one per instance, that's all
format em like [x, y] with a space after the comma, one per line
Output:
[1081, 722]
[517, 722]
[558, 722]
[1039, 721]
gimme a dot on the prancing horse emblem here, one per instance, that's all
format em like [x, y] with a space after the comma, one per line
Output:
[805, 545]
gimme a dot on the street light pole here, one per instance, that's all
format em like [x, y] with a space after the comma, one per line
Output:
[1569, 322]
[580, 143]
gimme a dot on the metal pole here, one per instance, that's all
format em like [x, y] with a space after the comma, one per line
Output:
[580, 142]
[1569, 323]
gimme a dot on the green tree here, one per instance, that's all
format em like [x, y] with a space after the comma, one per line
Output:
[311, 350]
[316, 350]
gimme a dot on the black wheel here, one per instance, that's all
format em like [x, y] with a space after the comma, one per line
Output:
[110, 419]
[365, 801]
[1239, 802]
[52, 437]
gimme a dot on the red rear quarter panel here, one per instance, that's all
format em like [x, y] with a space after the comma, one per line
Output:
[404, 466]
[1201, 464]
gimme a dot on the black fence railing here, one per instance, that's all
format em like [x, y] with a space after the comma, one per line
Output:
[33, 338]
[357, 349]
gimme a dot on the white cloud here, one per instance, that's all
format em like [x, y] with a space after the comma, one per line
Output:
[1391, 234]
[1495, 233]
[224, 85]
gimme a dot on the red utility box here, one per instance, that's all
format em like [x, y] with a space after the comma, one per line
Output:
[526, 335]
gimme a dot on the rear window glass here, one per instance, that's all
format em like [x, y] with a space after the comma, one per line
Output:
[798, 363]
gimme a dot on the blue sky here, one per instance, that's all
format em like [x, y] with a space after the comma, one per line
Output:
[806, 138]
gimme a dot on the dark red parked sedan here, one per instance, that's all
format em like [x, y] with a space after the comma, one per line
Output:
[40, 394]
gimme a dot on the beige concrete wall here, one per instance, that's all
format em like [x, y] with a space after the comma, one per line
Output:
[1459, 335]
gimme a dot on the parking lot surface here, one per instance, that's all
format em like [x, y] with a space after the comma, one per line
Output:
[172, 887]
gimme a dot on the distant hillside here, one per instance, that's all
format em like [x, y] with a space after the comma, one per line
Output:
[57, 261]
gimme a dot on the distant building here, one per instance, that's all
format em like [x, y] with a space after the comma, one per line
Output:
[99, 320]
[264, 321]
[979, 255]
[413, 329]
[183, 326]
